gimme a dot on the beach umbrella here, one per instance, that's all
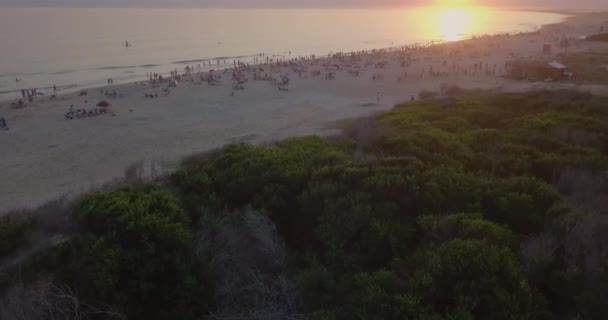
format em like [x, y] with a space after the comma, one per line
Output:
[104, 104]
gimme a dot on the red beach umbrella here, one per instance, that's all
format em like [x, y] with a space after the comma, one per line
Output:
[104, 104]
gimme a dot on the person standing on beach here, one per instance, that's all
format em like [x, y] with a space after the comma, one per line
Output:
[3, 124]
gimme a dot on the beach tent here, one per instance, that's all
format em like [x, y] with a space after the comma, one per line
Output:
[559, 70]
[104, 104]
[557, 65]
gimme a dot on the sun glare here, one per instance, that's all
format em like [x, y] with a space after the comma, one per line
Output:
[453, 3]
[453, 22]
[454, 19]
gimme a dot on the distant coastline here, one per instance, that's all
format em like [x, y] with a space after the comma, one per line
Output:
[136, 70]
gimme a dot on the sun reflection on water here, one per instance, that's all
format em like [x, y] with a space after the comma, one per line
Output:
[455, 23]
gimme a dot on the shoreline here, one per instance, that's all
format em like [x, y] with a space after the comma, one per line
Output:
[49, 156]
[71, 88]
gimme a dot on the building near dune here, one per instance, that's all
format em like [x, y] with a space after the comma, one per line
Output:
[537, 70]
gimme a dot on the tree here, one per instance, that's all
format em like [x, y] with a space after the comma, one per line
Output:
[480, 278]
[136, 252]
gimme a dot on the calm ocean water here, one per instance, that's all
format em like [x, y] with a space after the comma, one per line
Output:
[74, 48]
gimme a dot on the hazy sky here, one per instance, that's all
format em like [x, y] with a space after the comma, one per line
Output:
[561, 4]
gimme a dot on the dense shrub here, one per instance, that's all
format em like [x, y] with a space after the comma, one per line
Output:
[14, 232]
[480, 279]
[447, 211]
[135, 253]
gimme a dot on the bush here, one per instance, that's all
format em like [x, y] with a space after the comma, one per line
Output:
[482, 279]
[424, 94]
[15, 232]
[44, 300]
[135, 252]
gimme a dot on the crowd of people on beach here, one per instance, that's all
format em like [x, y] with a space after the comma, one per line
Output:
[473, 59]
[447, 61]
[28, 95]
[84, 113]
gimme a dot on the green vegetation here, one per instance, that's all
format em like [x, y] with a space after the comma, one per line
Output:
[463, 207]
[134, 252]
[14, 232]
[589, 67]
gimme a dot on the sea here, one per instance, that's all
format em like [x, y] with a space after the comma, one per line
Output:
[80, 48]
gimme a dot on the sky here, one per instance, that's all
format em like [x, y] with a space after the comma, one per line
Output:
[550, 4]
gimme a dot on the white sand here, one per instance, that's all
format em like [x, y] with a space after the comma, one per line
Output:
[45, 156]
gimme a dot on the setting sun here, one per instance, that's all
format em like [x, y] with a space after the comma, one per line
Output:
[453, 3]
[453, 19]
[453, 22]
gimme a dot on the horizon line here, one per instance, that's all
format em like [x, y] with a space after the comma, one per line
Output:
[542, 9]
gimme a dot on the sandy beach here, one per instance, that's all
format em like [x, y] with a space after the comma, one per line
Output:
[45, 155]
